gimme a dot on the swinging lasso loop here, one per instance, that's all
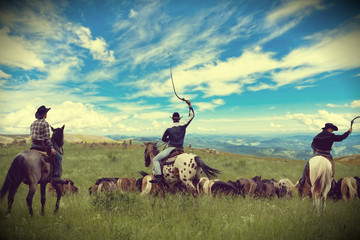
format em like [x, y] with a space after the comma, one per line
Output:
[172, 80]
[352, 121]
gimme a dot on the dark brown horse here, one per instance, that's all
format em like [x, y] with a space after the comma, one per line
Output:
[30, 167]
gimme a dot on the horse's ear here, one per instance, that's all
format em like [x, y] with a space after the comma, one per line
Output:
[63, 127]
[52, 129]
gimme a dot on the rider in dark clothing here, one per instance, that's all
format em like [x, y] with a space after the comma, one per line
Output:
[174, 136]
[322, 144]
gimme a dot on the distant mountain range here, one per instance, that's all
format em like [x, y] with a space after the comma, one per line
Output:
[282, 146]
[286, 146]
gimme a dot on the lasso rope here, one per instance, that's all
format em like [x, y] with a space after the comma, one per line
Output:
[172, 80]
[352, 121]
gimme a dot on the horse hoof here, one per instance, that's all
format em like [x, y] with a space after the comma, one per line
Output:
[8, 215]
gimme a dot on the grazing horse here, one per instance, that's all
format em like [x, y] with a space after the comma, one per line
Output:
[186, 168]
[67, 187]
[348, 188]
[30, 167]
[320, 173]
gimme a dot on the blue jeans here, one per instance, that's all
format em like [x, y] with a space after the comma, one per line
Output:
[58, 159]
[157, 159]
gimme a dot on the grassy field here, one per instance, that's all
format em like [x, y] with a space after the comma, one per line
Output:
[129, 216]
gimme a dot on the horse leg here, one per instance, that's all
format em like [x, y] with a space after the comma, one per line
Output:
[190, 187]
[11, 197]
[43, 197]
[29, 198]
[58, 195]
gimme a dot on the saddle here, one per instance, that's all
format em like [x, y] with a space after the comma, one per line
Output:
[171, 158]
[43, 154]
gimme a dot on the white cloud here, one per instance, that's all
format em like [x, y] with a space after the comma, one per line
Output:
[16, 52]
[303, 87]
[4, 75]
[97, 47]
[133, 13]
[205, 106]
[336, 105]
[317, 121]
[334, 51]
[291, 9]
[355, 104]
[64, 70]
[274, 125]
[76, 116]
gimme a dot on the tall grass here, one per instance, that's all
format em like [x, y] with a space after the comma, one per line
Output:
[129, 216]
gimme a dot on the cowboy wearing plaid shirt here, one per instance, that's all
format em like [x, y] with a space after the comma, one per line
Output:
[40, 137]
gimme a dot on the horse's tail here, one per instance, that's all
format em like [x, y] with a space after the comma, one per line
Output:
[13, 176]
[210, 172]
[318, 185]
[322, 180]
[347, 189]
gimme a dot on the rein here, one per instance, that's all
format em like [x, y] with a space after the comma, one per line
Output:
[172, 80]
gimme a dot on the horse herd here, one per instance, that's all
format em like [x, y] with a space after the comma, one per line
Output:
[347, 188]
[182, 174]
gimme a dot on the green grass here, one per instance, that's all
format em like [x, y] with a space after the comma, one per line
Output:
[129, 216]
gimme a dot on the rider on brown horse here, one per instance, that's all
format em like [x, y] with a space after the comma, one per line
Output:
[40, 137]
[174, 136]
[322, 144]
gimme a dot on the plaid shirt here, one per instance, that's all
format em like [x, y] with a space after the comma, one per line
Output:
[39, 130]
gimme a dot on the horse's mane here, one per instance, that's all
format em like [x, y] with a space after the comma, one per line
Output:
[155, 150]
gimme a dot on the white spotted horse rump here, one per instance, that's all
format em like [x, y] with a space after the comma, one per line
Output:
[184, 169]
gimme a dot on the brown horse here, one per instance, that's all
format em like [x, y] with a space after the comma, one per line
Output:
[30, 167]
[186, 168]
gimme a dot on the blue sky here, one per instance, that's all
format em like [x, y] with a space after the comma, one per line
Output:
[248, 67]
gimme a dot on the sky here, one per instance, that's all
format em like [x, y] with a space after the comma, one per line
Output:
[248, 67]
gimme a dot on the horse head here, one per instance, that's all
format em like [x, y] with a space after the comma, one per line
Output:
[150, 148]
[58, 138]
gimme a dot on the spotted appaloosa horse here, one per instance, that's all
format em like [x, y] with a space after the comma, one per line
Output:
[320, 173]
[187, 168]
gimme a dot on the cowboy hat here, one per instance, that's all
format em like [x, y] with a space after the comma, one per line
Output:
[41, 111]
[176, 116]
[330, 125]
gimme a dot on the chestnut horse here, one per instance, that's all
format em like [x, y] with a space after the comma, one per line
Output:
[186, 168]
[30, 167]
